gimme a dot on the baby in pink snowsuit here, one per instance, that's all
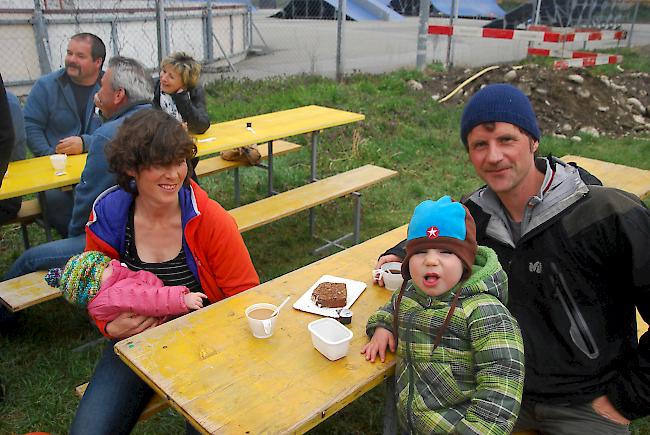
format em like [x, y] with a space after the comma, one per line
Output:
[108, 288]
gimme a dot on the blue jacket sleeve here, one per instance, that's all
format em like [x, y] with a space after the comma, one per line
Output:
[36, 118]
[95, 178]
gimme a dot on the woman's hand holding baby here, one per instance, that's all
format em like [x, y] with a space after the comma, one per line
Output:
[194, 301]
[381, 339]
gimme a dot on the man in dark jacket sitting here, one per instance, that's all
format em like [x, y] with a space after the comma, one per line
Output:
[578, 264]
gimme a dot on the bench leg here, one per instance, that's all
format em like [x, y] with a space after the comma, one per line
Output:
[355, 234]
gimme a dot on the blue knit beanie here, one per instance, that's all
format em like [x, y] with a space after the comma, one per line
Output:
[441, 224]
[499, 103]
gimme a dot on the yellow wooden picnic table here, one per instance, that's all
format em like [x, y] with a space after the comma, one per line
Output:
[630, 179]
[36, 174]
[212, 370]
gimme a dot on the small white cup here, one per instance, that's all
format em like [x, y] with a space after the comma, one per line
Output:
[392, 281]
[261, 328]
[59, 162]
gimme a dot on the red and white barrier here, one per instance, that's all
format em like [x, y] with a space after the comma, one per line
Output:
[530, 35]
[576, 58]
[600, 59]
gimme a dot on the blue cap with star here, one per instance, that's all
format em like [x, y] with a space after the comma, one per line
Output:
[442, 224]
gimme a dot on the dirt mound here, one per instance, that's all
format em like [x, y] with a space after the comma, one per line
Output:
[566, 101]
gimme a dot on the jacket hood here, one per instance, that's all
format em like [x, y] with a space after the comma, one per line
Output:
[487, 277]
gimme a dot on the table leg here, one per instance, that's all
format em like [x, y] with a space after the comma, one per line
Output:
[270, 168]
[45, 223]
[314, 177]
[390, 407]
[236, 187]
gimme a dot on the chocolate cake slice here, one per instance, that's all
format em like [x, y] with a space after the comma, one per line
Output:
[330, 295]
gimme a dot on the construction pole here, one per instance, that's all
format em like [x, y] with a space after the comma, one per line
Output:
[421, 58]
[629, 36]
[340, 70]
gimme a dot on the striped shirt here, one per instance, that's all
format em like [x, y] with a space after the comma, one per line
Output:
[171, 272]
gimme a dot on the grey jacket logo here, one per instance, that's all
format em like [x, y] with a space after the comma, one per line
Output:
[535, 267]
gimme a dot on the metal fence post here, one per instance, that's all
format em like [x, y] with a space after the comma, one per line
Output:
[42, 42]
[536, 19]
[629, 36]
[453, 12]
[342, 15]
[161, 31]
[207, 29]
[114, 38]
[421, 57]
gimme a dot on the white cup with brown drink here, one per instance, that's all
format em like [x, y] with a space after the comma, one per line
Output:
[261, 319]
[391, 274]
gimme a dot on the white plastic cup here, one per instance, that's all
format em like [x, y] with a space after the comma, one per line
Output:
[59, 162]
[330, 338]
[392, 281]
[261, 328]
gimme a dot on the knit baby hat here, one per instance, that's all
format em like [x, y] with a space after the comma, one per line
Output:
[442, 224]
[499, 103]
[80, 279]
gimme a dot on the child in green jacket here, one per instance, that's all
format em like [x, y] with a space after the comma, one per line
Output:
[460, 365]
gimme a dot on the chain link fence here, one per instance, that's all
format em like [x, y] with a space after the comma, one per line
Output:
[37, 32]
[280, 37]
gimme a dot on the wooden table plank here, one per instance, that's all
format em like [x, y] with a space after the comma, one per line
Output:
[630, 179]
[271, 126]
[219, 376]
[36, 174]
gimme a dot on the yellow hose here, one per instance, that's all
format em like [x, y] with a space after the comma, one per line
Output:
[469, 80]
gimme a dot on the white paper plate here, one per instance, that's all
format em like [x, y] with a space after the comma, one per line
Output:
[304, 303]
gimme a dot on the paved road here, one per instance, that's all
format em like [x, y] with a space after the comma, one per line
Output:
[309, 46]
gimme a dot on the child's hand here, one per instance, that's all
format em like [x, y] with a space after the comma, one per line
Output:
[381, 339]
[194, 301]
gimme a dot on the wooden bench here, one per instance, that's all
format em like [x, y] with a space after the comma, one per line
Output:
[31, 289]
[633, 180]
[30, 210]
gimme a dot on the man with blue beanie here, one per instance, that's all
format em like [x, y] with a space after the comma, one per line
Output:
[460, 366]
[576, 254]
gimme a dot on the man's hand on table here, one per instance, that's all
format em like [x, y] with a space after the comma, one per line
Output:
[385, 259]
[128, 324]
[604, 408]
[70, 145]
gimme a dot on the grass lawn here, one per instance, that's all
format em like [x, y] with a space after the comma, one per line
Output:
[404, 130]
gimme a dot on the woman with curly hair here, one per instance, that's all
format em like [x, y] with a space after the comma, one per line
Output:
[160, 221]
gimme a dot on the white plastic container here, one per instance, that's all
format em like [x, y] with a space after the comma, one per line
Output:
[330, 337]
